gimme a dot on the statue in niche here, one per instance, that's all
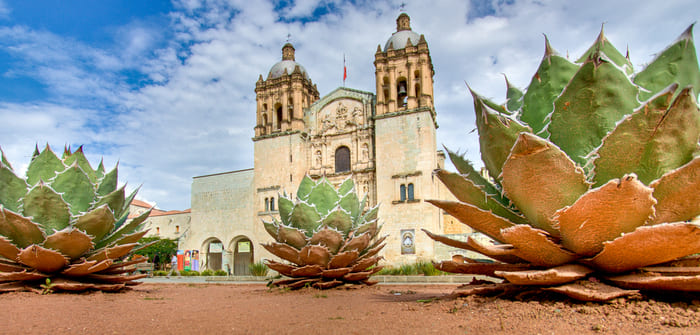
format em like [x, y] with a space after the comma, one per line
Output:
[357, 116]
[319, 158]
[365, 152]
[341, 116]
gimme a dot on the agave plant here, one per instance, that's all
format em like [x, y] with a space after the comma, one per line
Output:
[325, 236]
[66, 223]
[597, 178]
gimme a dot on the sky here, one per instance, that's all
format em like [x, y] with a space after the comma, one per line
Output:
[166, 88]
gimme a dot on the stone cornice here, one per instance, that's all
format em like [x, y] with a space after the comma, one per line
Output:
[407, 112]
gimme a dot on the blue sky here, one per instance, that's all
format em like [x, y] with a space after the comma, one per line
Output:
[167, 87]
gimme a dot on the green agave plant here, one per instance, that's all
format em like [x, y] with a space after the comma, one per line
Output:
[325, 236]
[67, 223]
[597, 175]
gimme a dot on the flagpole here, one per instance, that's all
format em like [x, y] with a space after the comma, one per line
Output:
[345, 71]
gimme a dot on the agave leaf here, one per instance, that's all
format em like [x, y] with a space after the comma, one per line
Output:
[596, 98]
[75, 187]
[282, 268]
[340, 220]
[350, 204]
[64, 284]
[357, 276]
[44, 166]
[677, 194]
[272, 227]
[20, 276]
[127, 203]
[285, 208]
[497, 133]
[369, 215]
[4, 160]
[335, 273]
[538, 195]
[79, 269]
[69, 242]
[329, 238]
[291, 236]
[649, 245]
[536, 247]
[46, 207]
[109, 182]
[591, 291]
[79, 157]
[645, 136]
[472, 216]
[357, 243]
[343, 259]
[124, 230]
[466, 191]
[604, 213]
[347, 186]
[553, 276]
[12, 188]
[653, 282]
[514, 97]
[602, 45]
[324, 197]
[305, 188]
[364, 263]
[487, 269]
[7, 249]
[114, 252]
[372, 228]
[678, 64]
[315, 255]
[97, 222]
[550, 79]
[100, 170]
[466, 169]
[132, 238]
[284, 251]
[308, 271]
[504, 253]
[42, 259]
[305, 217]
[115, 201]
[20, 230]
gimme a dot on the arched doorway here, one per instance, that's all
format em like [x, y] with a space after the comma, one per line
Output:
[242, 256]
[215, 251]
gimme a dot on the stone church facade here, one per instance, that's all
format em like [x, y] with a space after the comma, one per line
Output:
[385, 141]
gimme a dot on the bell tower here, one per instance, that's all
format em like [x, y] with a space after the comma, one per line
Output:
[282, 97]
[405, 144]
[404, 71]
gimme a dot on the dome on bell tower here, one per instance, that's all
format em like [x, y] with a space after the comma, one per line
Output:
[399, 39]
[288, 64]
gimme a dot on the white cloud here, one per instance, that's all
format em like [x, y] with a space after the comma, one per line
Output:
[195, 115]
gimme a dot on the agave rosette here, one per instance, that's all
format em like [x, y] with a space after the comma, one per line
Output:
[596, 174]
[66, 222]
[325, 237]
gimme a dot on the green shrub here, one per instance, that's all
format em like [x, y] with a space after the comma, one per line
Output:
[418, 268]
[189, 273]
[207, 272]
[220, 273]
[258, 269]
[160, 273]
[175, 273]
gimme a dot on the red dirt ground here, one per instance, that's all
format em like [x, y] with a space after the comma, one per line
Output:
[381, 309]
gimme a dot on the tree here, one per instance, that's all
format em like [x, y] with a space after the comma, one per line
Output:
[160, 252]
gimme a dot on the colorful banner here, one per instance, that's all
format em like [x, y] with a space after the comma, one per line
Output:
[188, 258]
[180, 260]
[195, 260]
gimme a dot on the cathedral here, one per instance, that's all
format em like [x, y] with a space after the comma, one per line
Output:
[385, 141]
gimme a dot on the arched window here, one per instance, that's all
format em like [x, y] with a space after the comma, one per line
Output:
[402, 192]
[402, 92]
[177, 229]
[278, 126]
[410, 192]
[157, 230]
[267, 204]
[342, 159]
[272, 204]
